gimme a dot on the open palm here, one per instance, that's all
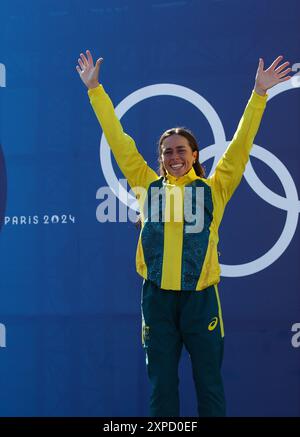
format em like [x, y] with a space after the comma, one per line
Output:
[266, 79]
[88, 72]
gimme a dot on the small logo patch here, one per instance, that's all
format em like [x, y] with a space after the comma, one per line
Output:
[213, 324]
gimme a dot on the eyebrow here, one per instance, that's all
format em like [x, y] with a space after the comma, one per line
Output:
[177, 147]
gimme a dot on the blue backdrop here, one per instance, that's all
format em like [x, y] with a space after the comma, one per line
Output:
[70, 326]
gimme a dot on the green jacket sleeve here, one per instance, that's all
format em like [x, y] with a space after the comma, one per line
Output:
[230, 168]
[130, 161]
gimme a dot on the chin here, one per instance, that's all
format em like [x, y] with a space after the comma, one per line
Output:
[177, 175]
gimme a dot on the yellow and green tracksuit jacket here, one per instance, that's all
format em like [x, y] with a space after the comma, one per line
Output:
[167, 255]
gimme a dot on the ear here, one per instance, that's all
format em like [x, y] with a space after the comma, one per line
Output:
[195, 154]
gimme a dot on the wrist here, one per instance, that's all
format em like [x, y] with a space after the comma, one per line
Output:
[92, 85]
[259, 90]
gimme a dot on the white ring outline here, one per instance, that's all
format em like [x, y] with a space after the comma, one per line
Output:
[269, 196]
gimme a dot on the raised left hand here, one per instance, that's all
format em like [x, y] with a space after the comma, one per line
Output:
[266, 79]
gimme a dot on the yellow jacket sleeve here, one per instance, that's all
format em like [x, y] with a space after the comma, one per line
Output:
[230, 168]
[130, 161]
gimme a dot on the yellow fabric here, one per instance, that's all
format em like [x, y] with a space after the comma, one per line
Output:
[231, 166]
[219, 311]
[223, 183]
[173, 239]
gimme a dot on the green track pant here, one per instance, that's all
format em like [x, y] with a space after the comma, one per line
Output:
[170, 320]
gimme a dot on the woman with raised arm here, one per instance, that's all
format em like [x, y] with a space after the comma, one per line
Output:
[180, 266]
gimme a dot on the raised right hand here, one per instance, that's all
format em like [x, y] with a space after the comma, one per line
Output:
[88, 72]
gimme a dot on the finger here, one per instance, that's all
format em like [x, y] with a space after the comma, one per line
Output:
[81, 64]
[84, 59]
[79, 71]
[285, 78]
[282, 66]
[276, 62]
[90, 57]
[261, 64]
[283, 73]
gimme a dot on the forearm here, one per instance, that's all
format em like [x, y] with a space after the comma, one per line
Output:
[105, 113]
[240, 146]
[232, 164]
[128, 158]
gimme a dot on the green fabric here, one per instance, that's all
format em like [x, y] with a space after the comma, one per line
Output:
[153, 231]
[172, 319]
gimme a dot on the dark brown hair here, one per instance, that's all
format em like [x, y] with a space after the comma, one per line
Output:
[199, 169]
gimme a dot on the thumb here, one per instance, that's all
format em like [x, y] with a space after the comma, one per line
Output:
[98, 63]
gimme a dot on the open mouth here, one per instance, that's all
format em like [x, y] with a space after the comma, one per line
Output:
[176, 166]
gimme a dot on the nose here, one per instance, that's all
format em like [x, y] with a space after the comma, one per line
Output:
[175, 155]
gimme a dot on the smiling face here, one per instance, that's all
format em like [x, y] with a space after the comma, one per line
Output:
[176, 155]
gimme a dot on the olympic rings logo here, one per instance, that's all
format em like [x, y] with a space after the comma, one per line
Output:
[290, 203]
